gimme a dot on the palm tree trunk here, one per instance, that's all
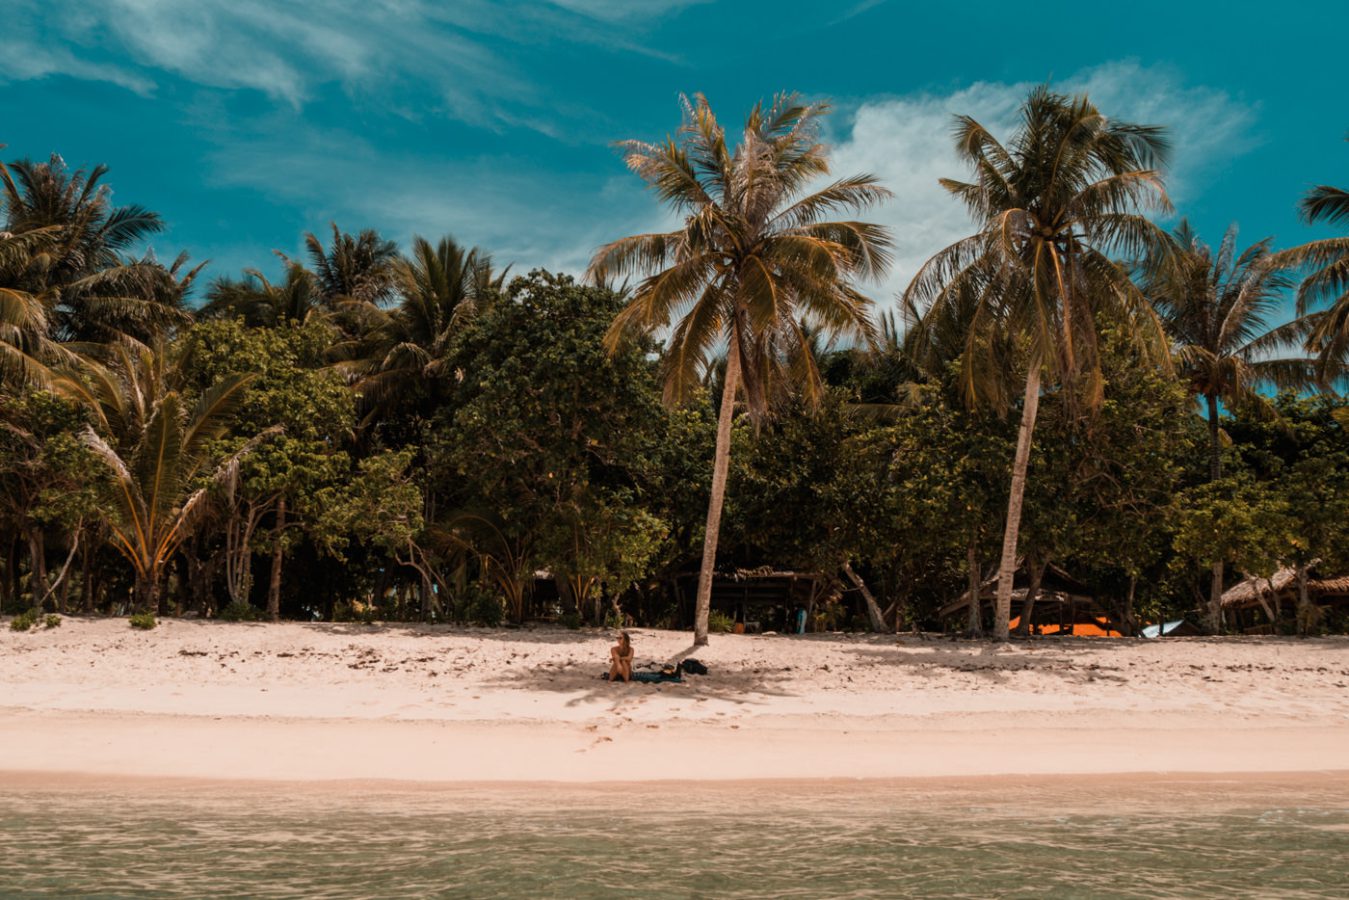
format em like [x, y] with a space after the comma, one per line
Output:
[147, 593]
[720, 463]
[37, 571]
[1306, 616]
[274, 588]
[976, 619]
[1037, 574]
[874, 614]
[1215, 471]
[1002, 610]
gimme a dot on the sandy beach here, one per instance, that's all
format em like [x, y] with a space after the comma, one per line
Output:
[306, 703]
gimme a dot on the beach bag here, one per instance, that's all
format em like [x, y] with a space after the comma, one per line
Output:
[693, 667]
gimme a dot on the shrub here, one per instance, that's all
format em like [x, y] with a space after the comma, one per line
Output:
[239, 611]
[24, 620]
[51, 621]
[719, 622]
[570, 619]
[143, 621]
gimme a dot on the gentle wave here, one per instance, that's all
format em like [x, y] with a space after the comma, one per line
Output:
[837, 842]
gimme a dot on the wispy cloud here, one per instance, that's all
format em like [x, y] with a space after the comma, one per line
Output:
[452, 53]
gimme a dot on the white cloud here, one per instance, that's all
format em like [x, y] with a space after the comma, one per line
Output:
[906, 142]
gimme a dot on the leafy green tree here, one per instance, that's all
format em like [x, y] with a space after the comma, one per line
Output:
[1031, 285]
[552, 441]
[283, 480]
[48, 483]
[753, 259]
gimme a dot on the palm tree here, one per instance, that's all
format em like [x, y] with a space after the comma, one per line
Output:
[1328, 282]
[1051, 205]
[750, 263]
[1217, 308]
[439, 288]
[260, 303]
[359, 268]
[92, 291]
[156, 444]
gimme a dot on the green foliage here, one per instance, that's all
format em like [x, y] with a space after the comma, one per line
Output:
[24, 620]
[719, 622]
[51, 620]
[238, 611]
[142, 621]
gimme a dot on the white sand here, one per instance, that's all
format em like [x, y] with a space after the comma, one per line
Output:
[318, 702]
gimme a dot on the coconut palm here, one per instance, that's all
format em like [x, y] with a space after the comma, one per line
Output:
[752, 260]
[1051, 205]
[262, 303]
[156, 443]
[1218, 308]
[92, 290]
[359, 267]
[439, 287]
[1328, 281]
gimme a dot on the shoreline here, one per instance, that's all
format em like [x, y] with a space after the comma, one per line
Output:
[1331, 781]
[328, 705]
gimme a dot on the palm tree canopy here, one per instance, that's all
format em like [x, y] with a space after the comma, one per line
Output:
[438, 287]
[356, 267]
[755, 260]
[1053, 206]
[1219, 307]
[1326, 263]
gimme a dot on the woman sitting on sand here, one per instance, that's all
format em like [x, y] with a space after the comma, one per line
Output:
[620, 656]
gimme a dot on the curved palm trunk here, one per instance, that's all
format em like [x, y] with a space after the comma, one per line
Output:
[1002, 610]
[1215, 471]
[720, 463]
[874, 614]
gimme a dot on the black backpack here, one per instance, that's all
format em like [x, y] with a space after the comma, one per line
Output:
[693, 667]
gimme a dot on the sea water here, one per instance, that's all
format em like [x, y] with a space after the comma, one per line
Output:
[989, 838]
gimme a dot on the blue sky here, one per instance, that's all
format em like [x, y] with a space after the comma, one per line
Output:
[246, 123]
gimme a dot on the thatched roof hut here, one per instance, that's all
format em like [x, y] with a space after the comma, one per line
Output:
[1255, 592]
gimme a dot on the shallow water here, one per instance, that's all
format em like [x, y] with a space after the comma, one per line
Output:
[993, 838]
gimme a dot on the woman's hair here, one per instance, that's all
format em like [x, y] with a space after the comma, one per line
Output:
[624, 639]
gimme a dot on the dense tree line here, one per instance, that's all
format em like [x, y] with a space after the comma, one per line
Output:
[390, 434]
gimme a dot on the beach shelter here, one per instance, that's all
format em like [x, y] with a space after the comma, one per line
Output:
[1064, 605]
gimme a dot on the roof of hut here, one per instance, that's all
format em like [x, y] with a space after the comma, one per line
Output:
[1244, 593]
[1055, 585]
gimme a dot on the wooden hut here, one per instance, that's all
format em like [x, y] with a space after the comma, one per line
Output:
[1064, 605]
[763, 599]
[1278, 594]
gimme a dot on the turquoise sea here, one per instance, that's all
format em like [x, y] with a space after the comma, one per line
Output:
[981, 838]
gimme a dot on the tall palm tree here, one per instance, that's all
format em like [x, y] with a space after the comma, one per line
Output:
[1218, 308]
[752, 260]
[156, 443]
[1052, 205]
[1328, 281]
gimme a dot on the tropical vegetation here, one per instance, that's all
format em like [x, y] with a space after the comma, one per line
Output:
[368, 432]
